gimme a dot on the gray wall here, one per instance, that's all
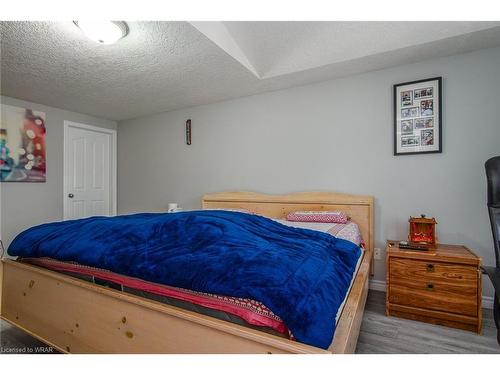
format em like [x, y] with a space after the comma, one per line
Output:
[335, 136]
[27, 204]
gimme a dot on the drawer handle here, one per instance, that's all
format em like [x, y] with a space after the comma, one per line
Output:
[430, 268]
[430, 286]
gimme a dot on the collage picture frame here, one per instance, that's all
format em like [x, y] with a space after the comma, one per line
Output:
[418, 117]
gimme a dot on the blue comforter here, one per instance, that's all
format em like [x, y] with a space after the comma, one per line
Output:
[301, 275]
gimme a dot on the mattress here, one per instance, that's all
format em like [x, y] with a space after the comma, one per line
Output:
[241, 311]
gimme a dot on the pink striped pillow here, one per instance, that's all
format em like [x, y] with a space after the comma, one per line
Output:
[318, 216]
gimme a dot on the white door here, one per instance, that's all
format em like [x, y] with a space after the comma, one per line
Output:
[90, 170]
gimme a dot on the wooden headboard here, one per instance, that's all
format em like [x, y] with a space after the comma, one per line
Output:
[358, 207]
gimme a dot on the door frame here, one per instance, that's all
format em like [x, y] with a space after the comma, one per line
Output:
[113, 163]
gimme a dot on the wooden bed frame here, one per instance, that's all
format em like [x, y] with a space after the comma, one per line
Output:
[75, 316]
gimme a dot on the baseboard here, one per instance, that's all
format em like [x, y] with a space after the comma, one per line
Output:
[487, 302]
[380, 286]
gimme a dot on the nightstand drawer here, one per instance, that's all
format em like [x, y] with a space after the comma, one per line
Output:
[434, 296]
[436, 286]
[408, 272]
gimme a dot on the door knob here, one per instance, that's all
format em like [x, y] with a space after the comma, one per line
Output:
[71, 195]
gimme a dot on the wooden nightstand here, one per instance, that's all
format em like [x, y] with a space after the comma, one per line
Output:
[441, 286]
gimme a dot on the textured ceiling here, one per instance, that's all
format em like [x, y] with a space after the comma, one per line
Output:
[278, 48]
[162, 66]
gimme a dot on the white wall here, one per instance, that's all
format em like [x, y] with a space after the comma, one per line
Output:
[335, 136]
[26, 204]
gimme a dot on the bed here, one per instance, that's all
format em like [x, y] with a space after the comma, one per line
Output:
[79, 317]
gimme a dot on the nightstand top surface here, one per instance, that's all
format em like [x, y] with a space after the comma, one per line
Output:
[443, 253]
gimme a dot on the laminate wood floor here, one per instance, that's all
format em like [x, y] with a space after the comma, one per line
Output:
[379, 334]
[390, 335]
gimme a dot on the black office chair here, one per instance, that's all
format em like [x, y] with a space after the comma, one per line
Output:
[493, 176]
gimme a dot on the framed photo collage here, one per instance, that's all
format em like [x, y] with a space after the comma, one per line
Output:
[417, 117]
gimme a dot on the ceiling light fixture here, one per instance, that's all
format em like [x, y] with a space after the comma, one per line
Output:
[103, 32]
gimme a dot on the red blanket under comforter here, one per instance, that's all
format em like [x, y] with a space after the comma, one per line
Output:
[251, 311]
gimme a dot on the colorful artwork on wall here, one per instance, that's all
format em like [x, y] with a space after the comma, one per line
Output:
[22, 145]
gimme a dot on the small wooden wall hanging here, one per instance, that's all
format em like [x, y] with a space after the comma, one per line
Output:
[188, 132]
